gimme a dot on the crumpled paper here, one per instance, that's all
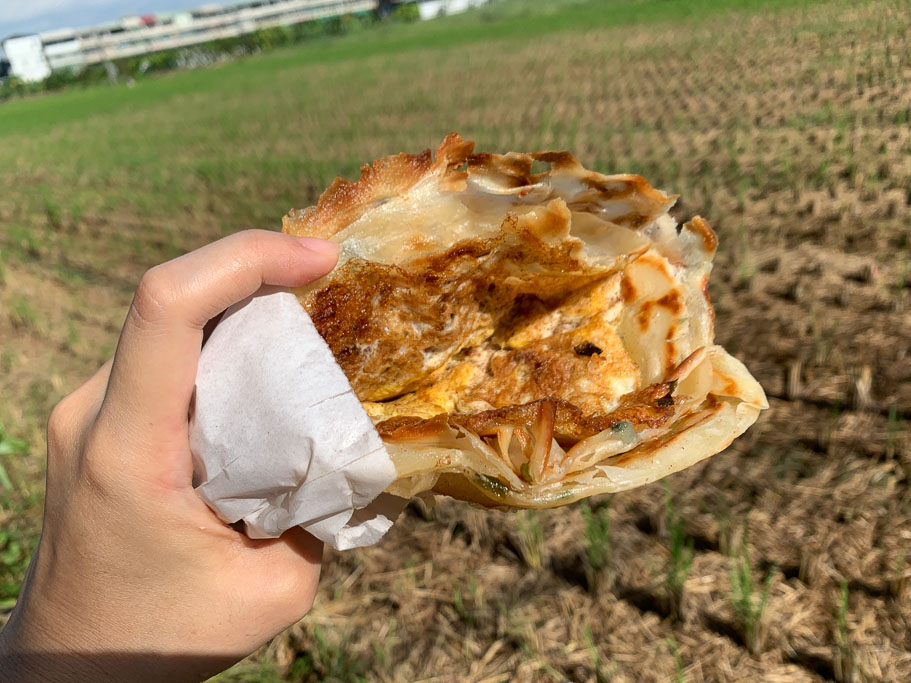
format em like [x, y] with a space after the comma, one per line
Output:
[279, 439]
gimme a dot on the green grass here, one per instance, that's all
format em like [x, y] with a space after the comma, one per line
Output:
[511, 20]
[530, 537]
[237, 145]
[846, 666]
[597, 544]
[469, 605]
[749, 600]
[250, 671]
[191, 156]
[600, 667]
[681, 556]
[16, 540]
[22, 313]
[9, 445]
[514, 20]
[329, 660]
[679, 671]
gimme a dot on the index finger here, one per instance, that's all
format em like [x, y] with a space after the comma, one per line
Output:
[154, 368]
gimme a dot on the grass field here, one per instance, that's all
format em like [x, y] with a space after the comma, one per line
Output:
[786, 124]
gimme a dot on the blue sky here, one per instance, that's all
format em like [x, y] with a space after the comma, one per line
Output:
[32, 16]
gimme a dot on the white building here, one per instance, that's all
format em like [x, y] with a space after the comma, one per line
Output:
[32, 58]
[431, 9]
[26, 57]
[62, 49]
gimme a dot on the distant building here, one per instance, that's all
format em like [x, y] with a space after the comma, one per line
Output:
[34, 57]
[62, 50]
[431, 9]
[26, 57]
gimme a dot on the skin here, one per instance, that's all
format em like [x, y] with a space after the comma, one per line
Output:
[134, 577]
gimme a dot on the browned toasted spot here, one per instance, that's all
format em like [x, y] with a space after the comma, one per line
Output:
[671, 354]
[517, 167]
[570, 423]
[564, 366]
[557, 159]
[730, 385]
[656, 262]
[368, 316]
[610, 189]
[407, 428]
[369, 319]
[708, 301]
[644, 317]
[627, 289]
[634, 219]
[436, 266]
[618, 187]
[699, 226]
[672, 301]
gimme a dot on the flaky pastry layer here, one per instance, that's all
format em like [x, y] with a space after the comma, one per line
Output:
[524, 337]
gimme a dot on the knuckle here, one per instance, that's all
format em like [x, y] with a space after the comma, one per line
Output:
[249, 243]
[62, 425]
[154, 295]
[95, 467]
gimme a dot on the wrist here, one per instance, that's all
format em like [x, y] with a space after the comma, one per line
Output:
[42, 644]
[24, 661]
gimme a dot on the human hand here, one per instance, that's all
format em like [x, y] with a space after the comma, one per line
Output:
[134, 577]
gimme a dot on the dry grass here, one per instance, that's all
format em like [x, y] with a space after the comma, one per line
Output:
[789, 130]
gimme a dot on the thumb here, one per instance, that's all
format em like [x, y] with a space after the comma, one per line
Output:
[155, 364]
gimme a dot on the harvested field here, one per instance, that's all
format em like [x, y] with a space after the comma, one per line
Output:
[787, 125]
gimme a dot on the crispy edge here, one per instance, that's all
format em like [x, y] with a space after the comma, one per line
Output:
[344, 201]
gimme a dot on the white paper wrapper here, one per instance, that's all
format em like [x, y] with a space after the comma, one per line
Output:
[278, 436]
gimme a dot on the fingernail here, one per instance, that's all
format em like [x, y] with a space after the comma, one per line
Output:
[322, 246]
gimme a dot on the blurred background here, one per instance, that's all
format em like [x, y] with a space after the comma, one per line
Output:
[786, 123]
